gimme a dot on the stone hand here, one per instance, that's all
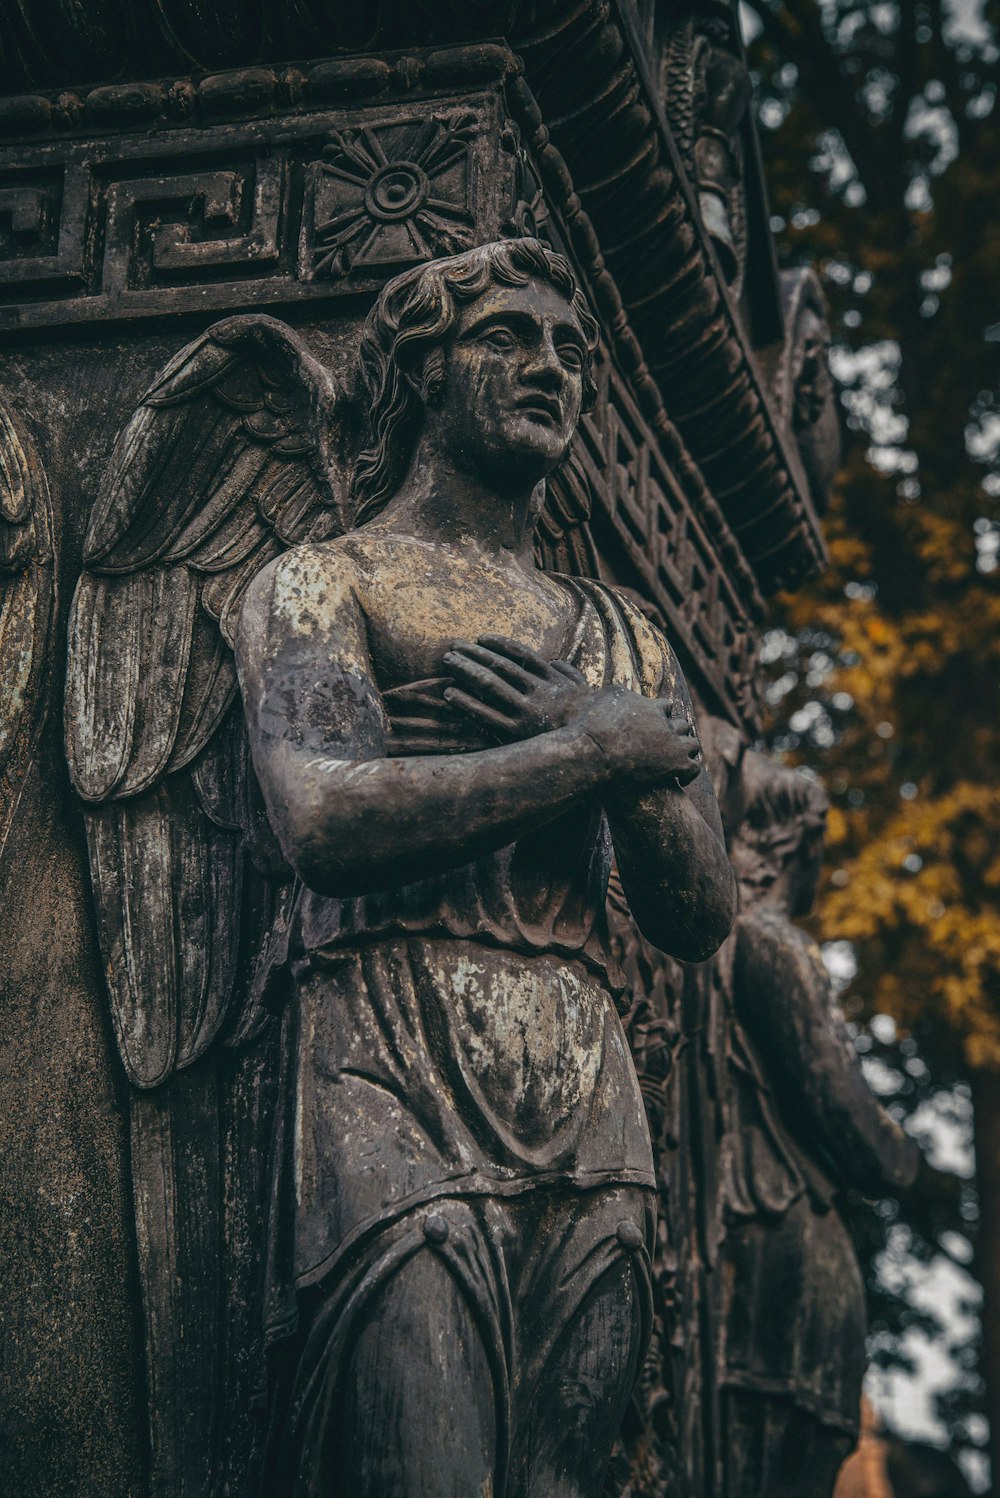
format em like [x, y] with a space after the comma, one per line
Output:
[511, 689]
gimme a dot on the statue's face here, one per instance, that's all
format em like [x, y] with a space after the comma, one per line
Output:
[514, 382]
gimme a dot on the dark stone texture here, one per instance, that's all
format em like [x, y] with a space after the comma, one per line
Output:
[71, 1406]
[199, 206]
[71, 1416]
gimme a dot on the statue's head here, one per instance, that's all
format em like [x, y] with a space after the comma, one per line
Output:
[496, 346]
[782, 831]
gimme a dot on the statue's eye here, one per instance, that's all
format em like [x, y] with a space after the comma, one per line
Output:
[571, 355]
[499, 338]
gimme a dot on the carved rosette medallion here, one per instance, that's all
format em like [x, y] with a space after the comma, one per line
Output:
[392, 194]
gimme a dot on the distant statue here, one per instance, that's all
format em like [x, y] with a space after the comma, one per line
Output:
[801, 1125]
[449, 743]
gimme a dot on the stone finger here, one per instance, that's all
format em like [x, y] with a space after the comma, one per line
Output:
[483, 682]
[565, 668]
[481, 712]
[501, 665]
[523, 654]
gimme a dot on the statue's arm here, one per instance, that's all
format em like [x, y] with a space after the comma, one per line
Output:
[674, 868]
[668, 840]
[672, 858]
[785, 999]
[349, 819]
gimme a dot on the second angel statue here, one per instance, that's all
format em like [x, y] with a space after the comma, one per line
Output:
[449, 745]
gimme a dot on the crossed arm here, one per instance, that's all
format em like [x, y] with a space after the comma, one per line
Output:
[786, 1002]
[352, 820]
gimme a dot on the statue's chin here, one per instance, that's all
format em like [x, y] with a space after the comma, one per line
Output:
[539, 446]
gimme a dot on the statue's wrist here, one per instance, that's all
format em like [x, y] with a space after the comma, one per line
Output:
[587, 749]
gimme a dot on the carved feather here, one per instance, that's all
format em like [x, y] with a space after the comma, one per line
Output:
[27, 592]
[235, 453]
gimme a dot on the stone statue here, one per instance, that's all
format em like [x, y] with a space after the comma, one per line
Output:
[447, 744]
[800, 1126]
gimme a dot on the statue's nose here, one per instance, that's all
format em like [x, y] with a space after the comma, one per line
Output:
[544, 369]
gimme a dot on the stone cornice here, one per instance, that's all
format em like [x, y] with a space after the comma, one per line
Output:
[195, 101]
[594, 98]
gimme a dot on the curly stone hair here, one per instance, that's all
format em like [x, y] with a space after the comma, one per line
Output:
[403, 349]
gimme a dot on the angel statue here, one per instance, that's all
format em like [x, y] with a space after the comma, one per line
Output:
[802, 1126]
[384, 855]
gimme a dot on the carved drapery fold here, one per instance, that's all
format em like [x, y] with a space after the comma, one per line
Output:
[26, 605]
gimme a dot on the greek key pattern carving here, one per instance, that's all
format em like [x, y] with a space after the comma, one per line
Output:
[205, 219]
[42, 225]
[144, 237]
[664, 545]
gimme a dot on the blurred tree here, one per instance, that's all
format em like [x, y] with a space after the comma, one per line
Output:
[914, 1258]
[882, 145]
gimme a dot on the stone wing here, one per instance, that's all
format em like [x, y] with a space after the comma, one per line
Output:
[233, 455]
[236, 452]
[27, 595]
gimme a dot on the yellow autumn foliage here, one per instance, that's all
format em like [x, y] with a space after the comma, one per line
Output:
[922, 903]
[906, 621]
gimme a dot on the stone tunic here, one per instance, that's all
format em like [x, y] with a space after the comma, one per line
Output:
[793, 1311]
[459, 1037]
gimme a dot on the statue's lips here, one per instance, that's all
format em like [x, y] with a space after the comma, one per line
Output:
[541, 407]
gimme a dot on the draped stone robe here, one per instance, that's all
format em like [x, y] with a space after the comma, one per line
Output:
[459, 1036]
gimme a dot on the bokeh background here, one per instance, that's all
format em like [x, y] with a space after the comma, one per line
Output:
[881, 140]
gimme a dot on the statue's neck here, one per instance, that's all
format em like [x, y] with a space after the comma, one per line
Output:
[438, 501]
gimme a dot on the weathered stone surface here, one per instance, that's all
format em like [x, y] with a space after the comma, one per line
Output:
[193, 229]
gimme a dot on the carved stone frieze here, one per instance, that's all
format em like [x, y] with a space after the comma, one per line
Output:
[130, 225]
[595, 121]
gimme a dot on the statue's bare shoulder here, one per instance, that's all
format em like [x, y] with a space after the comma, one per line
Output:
[411, 598]
[308, 594]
